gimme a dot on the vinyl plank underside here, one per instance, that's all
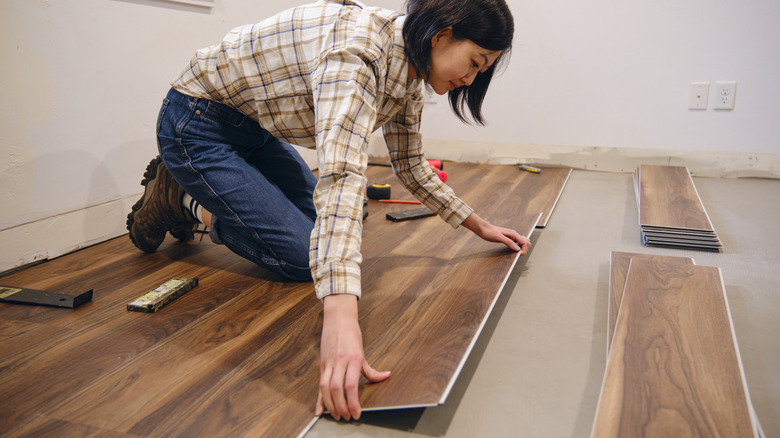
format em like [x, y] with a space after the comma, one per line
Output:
[238, 355]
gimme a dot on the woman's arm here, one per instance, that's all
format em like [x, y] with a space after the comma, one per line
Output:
[342, 360]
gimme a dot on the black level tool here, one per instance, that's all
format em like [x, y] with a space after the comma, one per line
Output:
[10, 294]
[405, 215]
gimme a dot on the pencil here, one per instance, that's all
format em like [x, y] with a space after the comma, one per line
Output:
[530, 168]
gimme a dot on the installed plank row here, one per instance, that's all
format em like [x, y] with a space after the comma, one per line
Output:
[238, 355]
[671, 213]
[673, 368]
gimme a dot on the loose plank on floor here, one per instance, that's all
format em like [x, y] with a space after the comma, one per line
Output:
[668, 198]
[619, 263]
[674, 368]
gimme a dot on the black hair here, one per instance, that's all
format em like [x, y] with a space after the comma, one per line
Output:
[487, 23]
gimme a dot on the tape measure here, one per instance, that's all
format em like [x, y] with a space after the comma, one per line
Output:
[378, 191]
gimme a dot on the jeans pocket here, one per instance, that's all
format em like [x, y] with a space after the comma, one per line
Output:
[224, 114]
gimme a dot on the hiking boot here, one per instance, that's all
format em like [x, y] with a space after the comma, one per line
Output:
[159, 210]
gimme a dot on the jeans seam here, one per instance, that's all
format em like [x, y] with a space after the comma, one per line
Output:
[189, 165]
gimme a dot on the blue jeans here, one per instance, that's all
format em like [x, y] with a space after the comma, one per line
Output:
[257, 187]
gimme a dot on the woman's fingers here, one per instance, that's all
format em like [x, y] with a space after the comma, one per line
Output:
[373, 375]
[351, 383]
[339, 389]
[336, 389]
[319, 408]
[325, 399]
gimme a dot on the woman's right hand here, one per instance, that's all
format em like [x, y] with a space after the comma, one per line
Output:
[342, 360]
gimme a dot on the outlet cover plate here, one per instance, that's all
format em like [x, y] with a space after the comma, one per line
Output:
[725, 95]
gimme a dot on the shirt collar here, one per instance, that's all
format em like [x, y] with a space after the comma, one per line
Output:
[403, 86]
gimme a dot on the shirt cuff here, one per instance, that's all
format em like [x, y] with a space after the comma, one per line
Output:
[453, 213]
[337, 278]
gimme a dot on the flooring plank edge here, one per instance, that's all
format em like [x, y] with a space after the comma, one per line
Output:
[474, 339]
[555, 202]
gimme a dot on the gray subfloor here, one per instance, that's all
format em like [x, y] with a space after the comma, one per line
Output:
[537, 368]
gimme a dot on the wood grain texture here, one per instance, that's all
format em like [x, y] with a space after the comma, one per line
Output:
[618, 268]
[534, 192]
[668, 199]
[674, 367]
[147, 374]
[542, 191]
[671, 213]
[239, 354]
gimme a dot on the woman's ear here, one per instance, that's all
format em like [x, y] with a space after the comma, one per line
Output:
[444, 33]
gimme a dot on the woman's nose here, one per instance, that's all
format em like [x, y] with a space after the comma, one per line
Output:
[469, 78]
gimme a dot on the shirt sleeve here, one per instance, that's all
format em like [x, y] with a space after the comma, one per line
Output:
[344, 93]
[404, 144]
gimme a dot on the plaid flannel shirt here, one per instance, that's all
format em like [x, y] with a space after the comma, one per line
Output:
[325, 76]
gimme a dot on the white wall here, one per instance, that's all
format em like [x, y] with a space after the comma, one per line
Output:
[82, 82]
[612, 73]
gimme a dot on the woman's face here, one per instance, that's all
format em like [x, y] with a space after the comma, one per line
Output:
[456, 63]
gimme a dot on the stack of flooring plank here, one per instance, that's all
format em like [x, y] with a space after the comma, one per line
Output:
[673, 366]
[671, 213]
[238, 355]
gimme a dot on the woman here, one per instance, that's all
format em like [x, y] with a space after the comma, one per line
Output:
[324, 76]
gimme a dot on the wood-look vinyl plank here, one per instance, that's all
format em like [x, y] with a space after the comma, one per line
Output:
[238, 355]
[101, 348]
[197, 356]
[443, 307]
[674, 367]
[424, 269]
[42, 426]
[668, 198]
[618, 268]
[538, 192]
[18, 336]
[543, 191]
[115, 281]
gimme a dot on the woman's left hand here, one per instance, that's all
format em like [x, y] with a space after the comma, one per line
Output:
[492, 233]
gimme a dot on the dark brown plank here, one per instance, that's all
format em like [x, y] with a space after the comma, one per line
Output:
[222, 366]
[238, 355]
[541, 191]
[618, 269]
[533, 192]
[419, 279]
[674, 368]
[42, 427]
[437, 300]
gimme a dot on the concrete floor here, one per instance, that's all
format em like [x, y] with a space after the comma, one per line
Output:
[537, 368]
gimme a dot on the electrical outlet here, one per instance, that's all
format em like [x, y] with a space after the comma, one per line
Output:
[700, 92]
[725, 94]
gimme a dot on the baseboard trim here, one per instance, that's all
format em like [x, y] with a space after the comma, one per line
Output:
[52, 237]
[623, 160]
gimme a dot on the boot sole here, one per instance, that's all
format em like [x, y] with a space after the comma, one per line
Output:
[149, 175]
